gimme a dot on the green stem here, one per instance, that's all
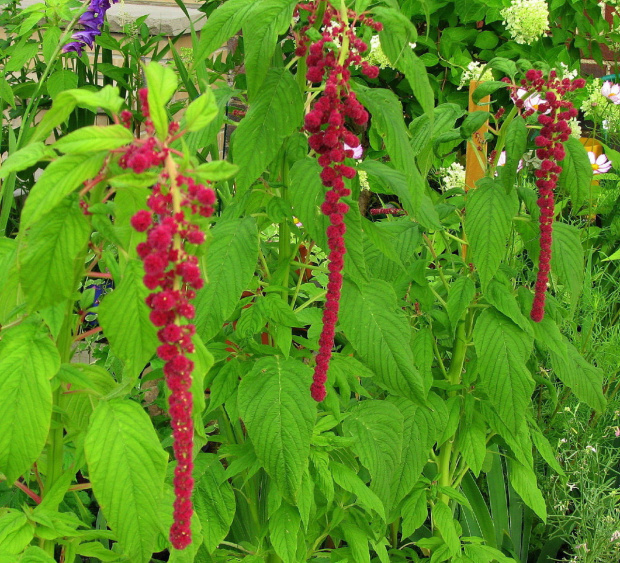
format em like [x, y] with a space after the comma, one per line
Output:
[459, 351]
[284, 233]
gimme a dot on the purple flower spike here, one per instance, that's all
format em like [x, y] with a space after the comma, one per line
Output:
[92, 21]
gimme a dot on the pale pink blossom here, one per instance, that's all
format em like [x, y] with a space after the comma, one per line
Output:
[357, 151]
[611, 91]
[600, 165]
[532, 102]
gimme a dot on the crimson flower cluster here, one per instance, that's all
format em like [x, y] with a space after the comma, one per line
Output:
[553, 115]
[329, 59]
[173, 276]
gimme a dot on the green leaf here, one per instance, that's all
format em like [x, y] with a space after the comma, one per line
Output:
[214, 502]
[50, 256]
[25, 158]
[95, 138]
[462, 292]
[357, 540]
[387, 114]
[275, 405]
[124, 317]
[58, 180]
[97, 551]
[488, 217]
[351, 482]
[60, 81]
[567, 258]
[202, 111]
[487, 88]
[396, 37]
[500, 296]
[275, 113]
[473, 122]
[229, 265]
[16, 532]
[224, 383]
[516, 142]
[443, 521]
[380, 333]
[284, 526]
[417, 439]
[28, 360]
[377, 428]
[414, 512]
[471, 441]
[215, 171]
[6, 93]
[576, 175]
[221, 25]
[162, 83]
[503, 349]
[523, 481]
[127, 467]
[263, 24]
[107, 99]
[585, 380]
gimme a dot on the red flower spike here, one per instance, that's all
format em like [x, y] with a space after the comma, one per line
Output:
[173, 276]
[553, 134]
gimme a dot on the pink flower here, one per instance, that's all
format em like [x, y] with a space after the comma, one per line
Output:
[501, 161]
[357, 151]
[600, 165]
[532, 102]
[611, 91]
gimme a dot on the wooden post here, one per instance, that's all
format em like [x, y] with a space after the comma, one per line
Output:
[476, 155]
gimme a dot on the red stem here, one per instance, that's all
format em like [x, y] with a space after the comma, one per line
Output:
[34, 496]
[87, 333]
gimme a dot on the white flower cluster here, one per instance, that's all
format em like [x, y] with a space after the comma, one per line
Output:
[564, 72]
[452, 177]
[575, 128]
[474, 72]
[526, 20]
[376, 56]
[600, 105]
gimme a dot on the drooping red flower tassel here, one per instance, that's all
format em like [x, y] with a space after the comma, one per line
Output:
[173, 276]
[553, 115]
[328, 137]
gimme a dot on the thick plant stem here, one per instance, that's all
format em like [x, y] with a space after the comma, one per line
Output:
[459, 351]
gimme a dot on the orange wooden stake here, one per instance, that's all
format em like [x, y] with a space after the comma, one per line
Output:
[476, 156]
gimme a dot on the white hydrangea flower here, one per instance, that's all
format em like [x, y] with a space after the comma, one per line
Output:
[474, 72]
[376, 56]
[564, 72]
[526, 20]
[363, 176]
[453, 176]
[575, 128]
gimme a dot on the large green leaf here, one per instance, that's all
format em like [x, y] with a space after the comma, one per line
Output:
[461, 294]
[284, 527]
[351, 482]
[162, 83]
[387, 115]
[582, 377]
[567, 258]
[523, 480]
[576, 175]
[503, 349]
[274, 114]
[25, 158]
[275, 405]
[58, 180]
[377, 428]
[489, 213]
[28, 360]
[221, 25]
[444, 522]
[124, 317]
[16, 532]
[516, 141]
[94, 138]
[381, 334]
[228, 266]
[50, 255]
[214, 502]
[127, 467]
[267, 20]
[417, 439]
